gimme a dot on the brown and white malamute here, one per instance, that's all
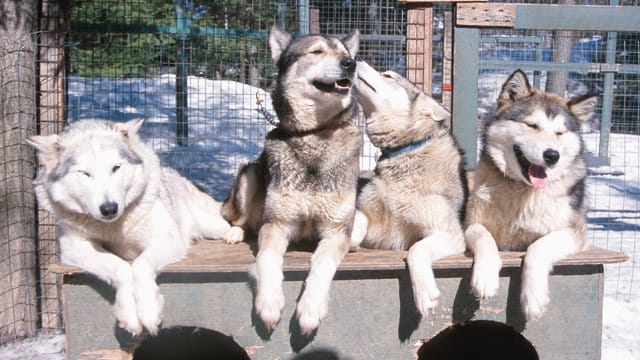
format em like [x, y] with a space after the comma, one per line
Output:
[303, 186]
[528, 189]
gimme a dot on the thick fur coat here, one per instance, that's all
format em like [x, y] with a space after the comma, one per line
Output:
[416, 198]
[119, 214]
[303, 186]
[529, 189]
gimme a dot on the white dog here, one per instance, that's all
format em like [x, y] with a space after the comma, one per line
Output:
[119, 214]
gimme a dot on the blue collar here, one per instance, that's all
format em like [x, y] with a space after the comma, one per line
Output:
[388, 153]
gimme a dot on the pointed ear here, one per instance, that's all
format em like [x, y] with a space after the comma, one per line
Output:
[48, 149]
[434, 109]
[130, 128]
[278, 41]
[439, 112]
[352, 42]
[516, 87]
[583, 106]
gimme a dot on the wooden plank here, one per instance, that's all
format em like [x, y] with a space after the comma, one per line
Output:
[419, 45]
[107, 354]
[216, 256]
[428, 50]
[314, 21]
[447, 61]
[486, 15]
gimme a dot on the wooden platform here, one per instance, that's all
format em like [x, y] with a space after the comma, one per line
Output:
[371, 314]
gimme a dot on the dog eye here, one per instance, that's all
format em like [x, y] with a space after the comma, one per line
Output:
[387, 75]
[317, 52]
[533, 126]
[85, 173]
[559, 133]
[115, 168]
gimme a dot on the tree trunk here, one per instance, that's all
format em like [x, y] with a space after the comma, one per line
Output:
[561, 52]
[18, 268]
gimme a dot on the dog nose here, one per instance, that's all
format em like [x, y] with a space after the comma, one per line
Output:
[550, 156]
[109, 209]
[348, 64]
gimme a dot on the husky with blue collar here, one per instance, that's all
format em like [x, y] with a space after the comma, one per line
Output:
[416, 198]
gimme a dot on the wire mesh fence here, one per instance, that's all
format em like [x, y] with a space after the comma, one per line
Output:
[18, 273]
[199, 72]
[215, 56]
[612, 139]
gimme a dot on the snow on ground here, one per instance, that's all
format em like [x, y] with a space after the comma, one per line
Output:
[620, 329]
[43, 347]
[225, 126]
[227, 129]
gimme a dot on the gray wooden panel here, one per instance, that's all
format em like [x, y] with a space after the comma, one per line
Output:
[466, 43]
[578, 17]
[548, 17]
[371, 313]
[558, 66]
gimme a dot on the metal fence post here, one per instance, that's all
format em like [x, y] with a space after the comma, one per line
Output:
[303, 17]
[282, 15]
[607, 96]
[182, 121]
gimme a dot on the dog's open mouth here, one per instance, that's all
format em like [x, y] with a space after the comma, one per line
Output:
[537, 175]
[361, 79]
[340, 86]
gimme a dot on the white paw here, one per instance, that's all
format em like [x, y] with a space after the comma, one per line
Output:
[149, 302]
[131, 325]
[269, 308]
[485, 277]
[310, 313]
[425, 295]
[125, 311]
[150, 312]
[534, 296]
[234, 235]
[533, 304]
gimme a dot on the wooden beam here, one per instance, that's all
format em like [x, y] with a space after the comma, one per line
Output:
[419, 45]
[486, 15]
[447, 61]
[216, 256]
[314, 21]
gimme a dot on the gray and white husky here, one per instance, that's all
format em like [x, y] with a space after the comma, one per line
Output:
[416, 197]
[120, 215]
[303, 186]
[528, 189]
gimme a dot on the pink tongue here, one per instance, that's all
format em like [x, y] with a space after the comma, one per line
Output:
[537, 176]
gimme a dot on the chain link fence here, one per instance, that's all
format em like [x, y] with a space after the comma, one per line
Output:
[195, 70]
[606, 64]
